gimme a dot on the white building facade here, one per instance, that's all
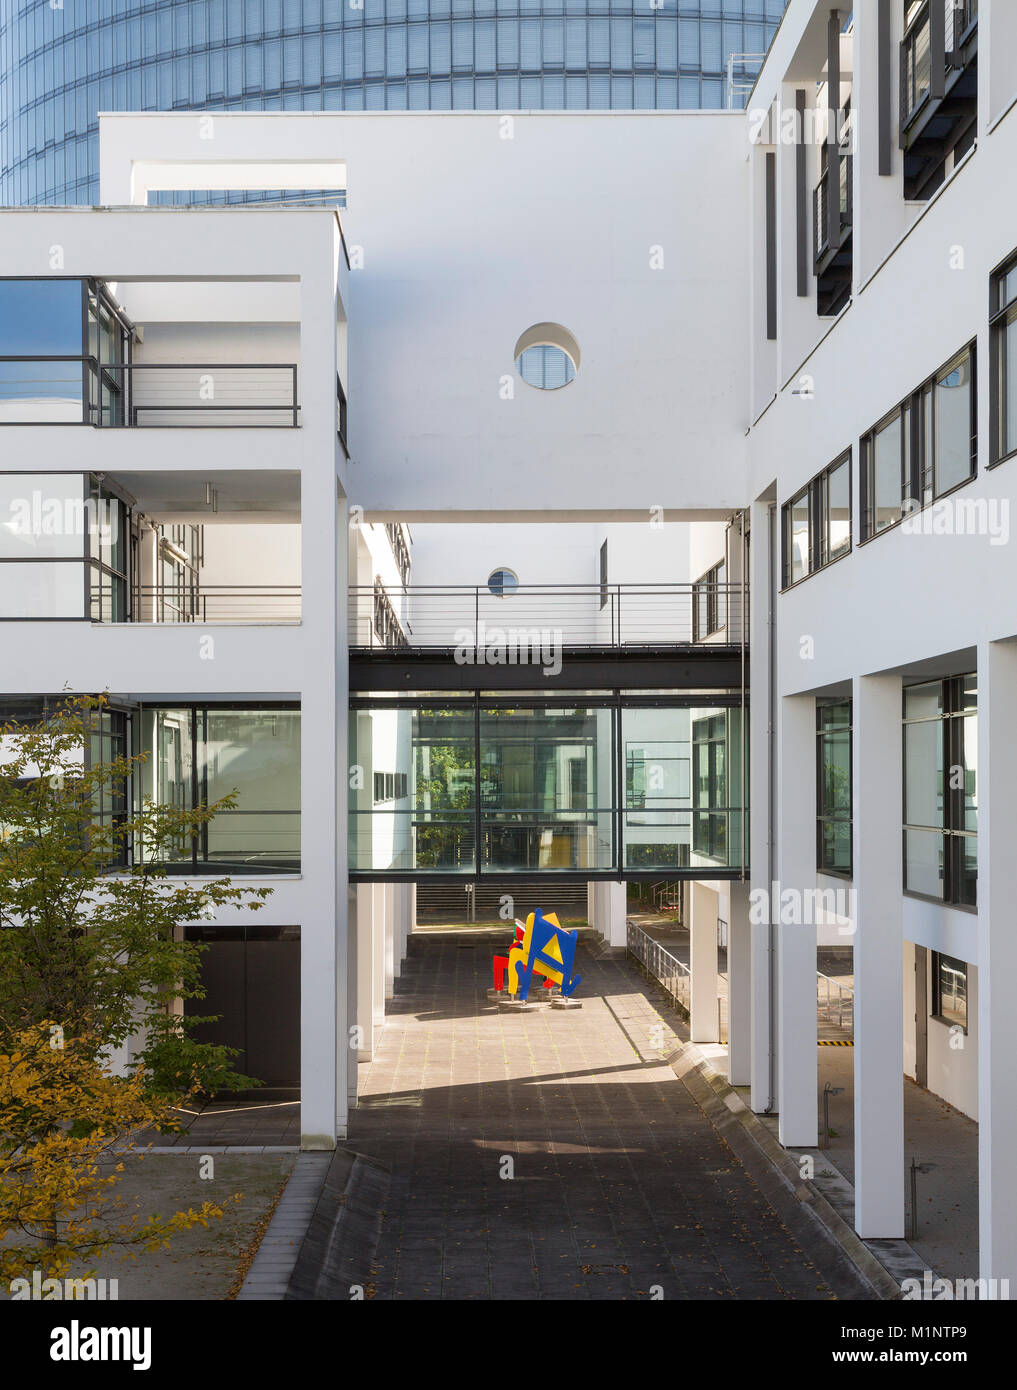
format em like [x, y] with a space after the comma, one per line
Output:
[789, 333]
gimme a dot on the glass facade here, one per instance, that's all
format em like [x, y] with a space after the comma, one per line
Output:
[545, 787]
[195, 756]
[60, 66]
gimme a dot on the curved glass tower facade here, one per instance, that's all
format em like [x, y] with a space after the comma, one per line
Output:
[62, 61]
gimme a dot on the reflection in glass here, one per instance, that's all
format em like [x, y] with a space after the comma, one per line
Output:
[198, 756]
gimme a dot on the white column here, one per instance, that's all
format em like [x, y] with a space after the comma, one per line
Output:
[876, 722]
[378, 995]
[363, 1016]
[761, 828]
[797, 1081]
[614, 911]
[390, 930]
[324, 707]
[997, 961]
[739, 987]
[591, 904]
[703, 963]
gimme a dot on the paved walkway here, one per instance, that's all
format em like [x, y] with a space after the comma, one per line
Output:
[620, 1185]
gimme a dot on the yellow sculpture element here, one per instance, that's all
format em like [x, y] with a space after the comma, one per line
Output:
[547, 946]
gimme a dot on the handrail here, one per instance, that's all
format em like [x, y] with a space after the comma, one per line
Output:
[673, 975]
[842, 991]
[647, 616]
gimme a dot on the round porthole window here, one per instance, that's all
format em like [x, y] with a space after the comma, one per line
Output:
[502, 583]
[547, 356]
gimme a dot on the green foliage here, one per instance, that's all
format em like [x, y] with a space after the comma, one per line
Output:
[98, 948]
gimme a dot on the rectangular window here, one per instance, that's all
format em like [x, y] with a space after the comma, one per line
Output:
[196, 755]
[603, 575]
[950, 990]
[709, 603]
[925, 447]
[1003, 347]
[41, 351]
[817, 522]
[941, 790]
[833, 788]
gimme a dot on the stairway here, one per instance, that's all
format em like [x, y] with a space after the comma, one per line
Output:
[449, 902]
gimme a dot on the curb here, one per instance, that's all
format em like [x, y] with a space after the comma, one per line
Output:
[337, 1252]
[270, 1271]
[797, 1201]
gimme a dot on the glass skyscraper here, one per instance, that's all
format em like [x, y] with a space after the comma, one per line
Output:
[62, 61]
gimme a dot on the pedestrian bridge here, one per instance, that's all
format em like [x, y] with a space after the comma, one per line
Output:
[581, 731]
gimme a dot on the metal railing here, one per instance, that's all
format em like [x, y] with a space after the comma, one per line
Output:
[81, 390]
[922, 65]
[199, 394]
[820, 210]
[631, 615]
[217, 603]
[836, 1009]
[671, 974]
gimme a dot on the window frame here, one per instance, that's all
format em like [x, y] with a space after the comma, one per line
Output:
[953, 831]
[824, 817]
[935, 1008]
[1000, 314]
[708, 586]
[918, 454]
[817, 492]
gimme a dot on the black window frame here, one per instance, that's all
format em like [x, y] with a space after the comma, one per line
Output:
[1001, 314]
[817, 493]
[917, 455]
[824, 817]
[710, 590]
[953, 832]
[936, 1008]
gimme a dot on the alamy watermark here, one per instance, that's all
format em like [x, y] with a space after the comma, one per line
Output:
[803, 907]
[513, 646]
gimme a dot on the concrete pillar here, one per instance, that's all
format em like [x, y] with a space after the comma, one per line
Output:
[390, 910]
[797, 1082]
[703, 1019]
[378, 995]
[591, 904]
[762, 579]
[362, 1010]
[739, 987]
[611, 913]
[997, 961]
[876, 721]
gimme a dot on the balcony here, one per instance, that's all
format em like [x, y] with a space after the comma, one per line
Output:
[118, 395]
[832, 235]
[938, 90]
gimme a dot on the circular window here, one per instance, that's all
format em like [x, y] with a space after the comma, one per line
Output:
[547, 356]
[502, 582]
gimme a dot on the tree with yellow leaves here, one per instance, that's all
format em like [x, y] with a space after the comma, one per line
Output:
[65, 1126]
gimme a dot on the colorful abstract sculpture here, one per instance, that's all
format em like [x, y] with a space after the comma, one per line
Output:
[547, 949]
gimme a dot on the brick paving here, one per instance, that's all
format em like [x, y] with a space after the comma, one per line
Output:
[621, 1184]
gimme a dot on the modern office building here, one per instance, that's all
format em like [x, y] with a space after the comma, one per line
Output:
[60, 65]
[730, 599]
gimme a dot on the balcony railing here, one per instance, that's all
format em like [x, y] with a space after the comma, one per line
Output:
[820, 211]
[217, 603]
[918, 51]
[83, 391]
[579, 615]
